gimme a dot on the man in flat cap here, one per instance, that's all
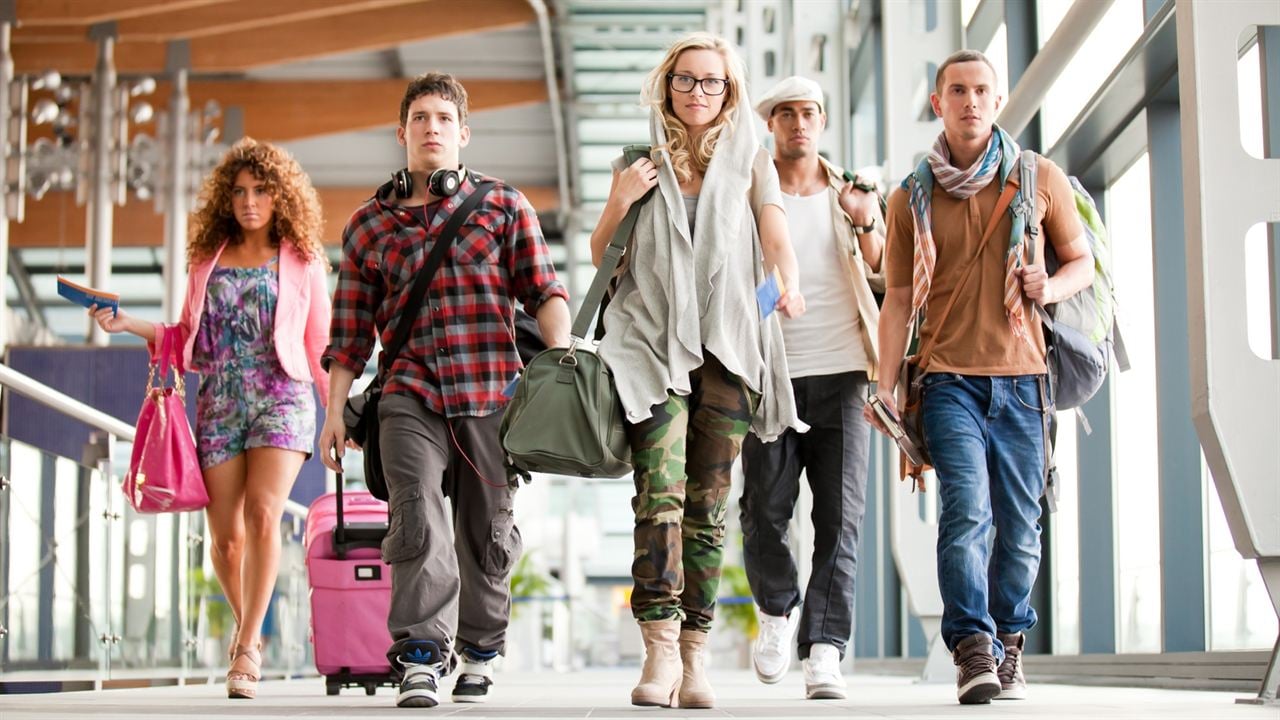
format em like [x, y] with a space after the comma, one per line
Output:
[838, 234]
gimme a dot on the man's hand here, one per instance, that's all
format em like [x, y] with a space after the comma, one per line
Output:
[886, 396]
[861, 206]
[791, 304]
[1036, 284]
[332, 438]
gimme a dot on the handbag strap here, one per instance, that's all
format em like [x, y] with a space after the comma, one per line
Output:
[612, 254]
[1006, 197]
[419, 290]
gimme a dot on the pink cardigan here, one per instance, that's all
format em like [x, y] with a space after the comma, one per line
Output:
[302, 316]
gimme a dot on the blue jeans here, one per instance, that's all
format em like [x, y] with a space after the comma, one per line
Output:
[986, 436]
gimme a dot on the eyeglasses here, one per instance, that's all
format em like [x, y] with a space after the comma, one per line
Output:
[685, 84]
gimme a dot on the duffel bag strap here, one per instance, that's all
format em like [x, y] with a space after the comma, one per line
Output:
[612, 256]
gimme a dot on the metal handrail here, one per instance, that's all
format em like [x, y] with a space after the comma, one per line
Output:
[67, 405]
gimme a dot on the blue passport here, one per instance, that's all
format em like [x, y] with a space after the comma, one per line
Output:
[87, 296]
[768, 293]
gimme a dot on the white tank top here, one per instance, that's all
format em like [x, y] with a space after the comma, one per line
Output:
[827, 339]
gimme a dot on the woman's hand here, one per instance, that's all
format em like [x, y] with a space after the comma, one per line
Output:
[111, 322]
[635, 180]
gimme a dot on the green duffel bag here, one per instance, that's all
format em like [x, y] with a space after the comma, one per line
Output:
[565, 418]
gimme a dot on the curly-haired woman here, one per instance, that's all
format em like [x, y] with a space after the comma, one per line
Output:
[695, 364]
[254, 322]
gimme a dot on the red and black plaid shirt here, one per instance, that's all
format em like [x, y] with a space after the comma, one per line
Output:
[462, 351]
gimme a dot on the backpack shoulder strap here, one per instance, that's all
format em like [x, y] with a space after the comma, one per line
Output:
[1028, 165]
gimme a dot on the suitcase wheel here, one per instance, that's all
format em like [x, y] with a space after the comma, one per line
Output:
[370, 688]
[332, 688]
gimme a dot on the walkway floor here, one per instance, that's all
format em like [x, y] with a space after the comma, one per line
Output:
[604, 694]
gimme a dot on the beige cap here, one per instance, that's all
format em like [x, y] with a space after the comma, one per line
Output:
[792, 89]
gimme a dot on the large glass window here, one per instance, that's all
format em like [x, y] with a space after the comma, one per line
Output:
[1240, 613]
[1113, 36]
[1065, 552]
[1137, 480]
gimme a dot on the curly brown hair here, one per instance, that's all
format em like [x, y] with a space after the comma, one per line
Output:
[295, 206]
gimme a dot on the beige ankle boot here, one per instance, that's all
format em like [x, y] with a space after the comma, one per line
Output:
[695, 691]
[660, 677]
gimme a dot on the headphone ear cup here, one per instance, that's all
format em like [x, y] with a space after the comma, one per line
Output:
[445, 182]
[402, 181]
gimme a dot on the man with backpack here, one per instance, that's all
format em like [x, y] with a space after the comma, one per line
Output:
[838, 234]
[966, 270]
[452, 539]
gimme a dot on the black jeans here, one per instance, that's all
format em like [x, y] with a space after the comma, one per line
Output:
[833, 455]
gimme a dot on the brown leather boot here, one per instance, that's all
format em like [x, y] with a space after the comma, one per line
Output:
[695, 691]
[660, 677]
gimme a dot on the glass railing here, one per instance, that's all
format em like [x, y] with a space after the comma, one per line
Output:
[91, 590]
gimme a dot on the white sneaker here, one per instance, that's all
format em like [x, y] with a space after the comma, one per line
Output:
[822, 677]
[771, 652]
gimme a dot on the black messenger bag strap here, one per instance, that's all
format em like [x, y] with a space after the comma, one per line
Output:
[404, 325]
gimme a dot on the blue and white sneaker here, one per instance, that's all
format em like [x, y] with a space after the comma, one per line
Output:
[422, 667]
[475, 676]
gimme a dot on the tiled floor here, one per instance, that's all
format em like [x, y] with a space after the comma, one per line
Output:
[604, 694]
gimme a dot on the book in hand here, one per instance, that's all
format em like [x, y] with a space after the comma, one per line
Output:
[896, 431]
[769, 292]
[87, 296]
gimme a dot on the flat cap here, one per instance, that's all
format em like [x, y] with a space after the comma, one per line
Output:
[792, 89]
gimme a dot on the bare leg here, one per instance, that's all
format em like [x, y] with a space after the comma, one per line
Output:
[225, 515]
[270, 476]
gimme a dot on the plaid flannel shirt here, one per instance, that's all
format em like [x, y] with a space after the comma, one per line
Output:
[461, 353]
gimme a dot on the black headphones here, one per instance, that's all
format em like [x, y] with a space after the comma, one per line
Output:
[443, 182]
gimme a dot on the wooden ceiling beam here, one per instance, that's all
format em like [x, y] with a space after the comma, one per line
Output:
[56, 220]
[88, 12]
[301, 40]
[283, 110]
[206, 20]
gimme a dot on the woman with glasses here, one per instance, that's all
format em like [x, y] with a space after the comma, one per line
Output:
[696, 364]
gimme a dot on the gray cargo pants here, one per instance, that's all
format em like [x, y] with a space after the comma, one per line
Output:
[450, 563]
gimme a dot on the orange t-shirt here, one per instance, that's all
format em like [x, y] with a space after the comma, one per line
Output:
[977, 339]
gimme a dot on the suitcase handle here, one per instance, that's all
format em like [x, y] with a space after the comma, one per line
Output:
[339, 531]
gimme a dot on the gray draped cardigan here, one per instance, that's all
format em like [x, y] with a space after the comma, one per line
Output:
[684, 292]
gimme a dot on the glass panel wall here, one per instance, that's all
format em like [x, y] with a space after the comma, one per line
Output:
[1137, 479]
[1110, 40]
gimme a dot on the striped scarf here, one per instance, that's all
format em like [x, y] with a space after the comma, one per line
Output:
[1000, 156]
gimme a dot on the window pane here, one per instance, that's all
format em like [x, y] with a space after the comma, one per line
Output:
[1065, 523]
[1113, 36]
[1138, 492]
[1240, 614]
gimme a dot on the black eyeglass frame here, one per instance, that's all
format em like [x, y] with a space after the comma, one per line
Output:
[697, 82]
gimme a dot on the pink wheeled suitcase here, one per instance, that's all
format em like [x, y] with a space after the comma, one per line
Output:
[350, 590]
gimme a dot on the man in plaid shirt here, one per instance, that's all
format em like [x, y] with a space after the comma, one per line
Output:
[443, 393]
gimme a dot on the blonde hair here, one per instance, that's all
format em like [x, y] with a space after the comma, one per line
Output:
[689, 155]
[295, 215]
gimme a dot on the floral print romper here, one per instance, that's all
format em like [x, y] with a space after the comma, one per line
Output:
[246, 399]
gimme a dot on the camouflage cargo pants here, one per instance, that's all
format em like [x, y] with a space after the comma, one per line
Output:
[682, 457]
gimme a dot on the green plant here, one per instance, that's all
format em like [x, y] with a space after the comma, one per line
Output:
[216, 609]
[527, 581]
[742, 615]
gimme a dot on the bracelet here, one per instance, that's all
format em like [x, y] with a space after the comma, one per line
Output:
[864, 229]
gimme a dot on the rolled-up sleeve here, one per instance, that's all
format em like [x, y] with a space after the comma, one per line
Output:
[528, 259]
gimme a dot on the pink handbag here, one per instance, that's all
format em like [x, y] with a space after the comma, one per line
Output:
[164, 474]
